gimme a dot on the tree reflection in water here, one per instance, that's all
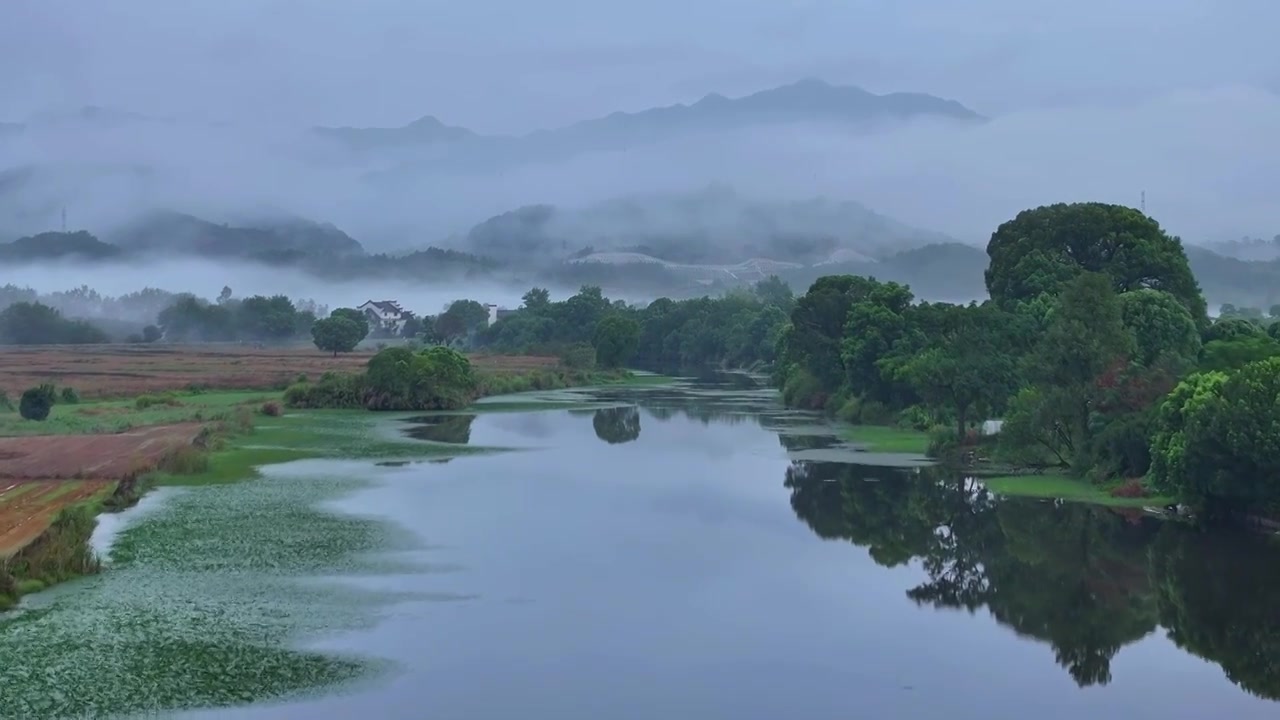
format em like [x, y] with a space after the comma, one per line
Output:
[617, 425]
[1086, 580]
[452, 429]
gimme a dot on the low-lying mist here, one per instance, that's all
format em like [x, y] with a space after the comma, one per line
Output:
[206, 278]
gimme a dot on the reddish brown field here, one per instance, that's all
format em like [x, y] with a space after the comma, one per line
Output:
[111, 371]
[27, 507]
[36, 473]
[113, 456]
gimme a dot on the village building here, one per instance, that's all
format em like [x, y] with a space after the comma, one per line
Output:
[385, 315]
[496, 313]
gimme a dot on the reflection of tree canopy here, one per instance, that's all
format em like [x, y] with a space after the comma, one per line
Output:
[1219, 597]
[1085, 580]
[617, 425]
[454, 429]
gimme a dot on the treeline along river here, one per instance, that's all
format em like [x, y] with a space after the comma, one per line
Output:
[692, 551]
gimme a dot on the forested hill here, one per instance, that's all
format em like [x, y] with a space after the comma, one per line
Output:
[945, 271]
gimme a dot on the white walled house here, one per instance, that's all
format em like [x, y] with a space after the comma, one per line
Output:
[385, 315]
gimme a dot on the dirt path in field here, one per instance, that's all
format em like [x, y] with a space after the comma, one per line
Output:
[27, 507]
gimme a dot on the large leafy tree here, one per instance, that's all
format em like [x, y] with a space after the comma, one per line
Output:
[615, 340]
[266, 318]
[967, 368]
[354, 316]
[1162, 327]
[32, 323]
[337, 334]
[876, 323]
[1085, 338]
[1042, 249]
[817, 327]
[460, 319]
[1217, 439]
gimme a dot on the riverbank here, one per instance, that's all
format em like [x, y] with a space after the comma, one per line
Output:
[887, 439]
[105, 455]
[1058, 486]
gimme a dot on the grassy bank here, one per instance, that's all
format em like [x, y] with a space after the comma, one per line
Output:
[1065, 487]
[60, 553]
[110, 416]
[882, 438]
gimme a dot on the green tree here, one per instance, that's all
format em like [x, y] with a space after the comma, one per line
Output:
[875, 323]
[1162, 327]
[151, 334]
[36, 402]
[967, 369]
[817, 328]
[33, 323]
[1237, 352]
[337, 334]
[1233, 329]
[437, 378]
[774, 291]
[354, 316]
[615, 340]
[266, 318]
[1085, 338]
[536, 300]
[1041, 249]
[460, 319]
[1216, 443]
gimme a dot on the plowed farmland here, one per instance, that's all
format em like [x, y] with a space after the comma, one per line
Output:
[110, 371]
[111, 456]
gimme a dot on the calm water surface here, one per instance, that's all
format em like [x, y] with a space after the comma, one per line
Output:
[669, 557]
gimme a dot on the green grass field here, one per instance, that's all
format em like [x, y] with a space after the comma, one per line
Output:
[1051, 486]
[880, 438]
[119, 415]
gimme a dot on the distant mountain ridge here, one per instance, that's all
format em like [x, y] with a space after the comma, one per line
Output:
[807, 101]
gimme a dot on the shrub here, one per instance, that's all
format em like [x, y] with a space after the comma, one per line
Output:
[875, 413]
[1131, 488]
[942, 441]
[272, 409]
[184, 460]
[242, 419]
[36, 403]
[69, 396]
[803, 390]
[915, 418]
[580, 356]
[145, 401]
[5, 402]
[333, 390]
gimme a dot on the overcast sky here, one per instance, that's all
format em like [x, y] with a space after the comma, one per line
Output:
[516, 65]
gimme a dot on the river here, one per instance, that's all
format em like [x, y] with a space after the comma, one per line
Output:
[667, 552]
